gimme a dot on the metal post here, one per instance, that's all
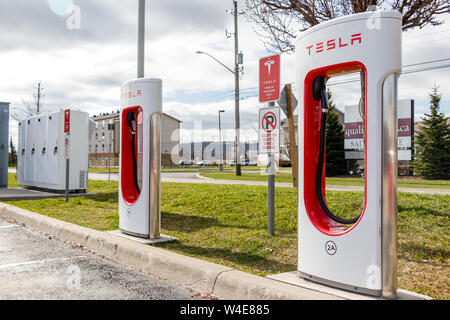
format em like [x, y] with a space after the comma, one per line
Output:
[220, 144]
[67, 180]
[4, 134]
[38, 104]
[141, 39]
[236, 92]
[155, 176]
[271, 191]
[109, 151]
[389, 160]
[271, 196]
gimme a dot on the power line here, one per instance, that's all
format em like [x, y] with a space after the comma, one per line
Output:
[405, 72]
[424, 42]
[426, 34]
[426, 62]
[230, 92]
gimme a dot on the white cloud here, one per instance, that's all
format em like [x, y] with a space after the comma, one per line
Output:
[84, 69]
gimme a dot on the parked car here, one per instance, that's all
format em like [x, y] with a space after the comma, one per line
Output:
[185, 163]
[204, 163]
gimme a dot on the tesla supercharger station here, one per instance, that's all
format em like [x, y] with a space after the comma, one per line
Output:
[140, 158]
[359, 253]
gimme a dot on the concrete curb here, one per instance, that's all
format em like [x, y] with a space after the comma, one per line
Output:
[193, 274]
[199, 176]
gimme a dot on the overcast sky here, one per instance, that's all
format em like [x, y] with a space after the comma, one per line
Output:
[84, 68]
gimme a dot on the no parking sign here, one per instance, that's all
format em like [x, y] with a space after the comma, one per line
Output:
[66, 146]
[269, 130]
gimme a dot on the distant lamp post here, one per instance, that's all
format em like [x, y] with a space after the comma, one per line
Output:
[220, 144]
[110, 130]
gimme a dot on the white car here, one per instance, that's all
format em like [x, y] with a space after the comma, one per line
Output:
[204, 163]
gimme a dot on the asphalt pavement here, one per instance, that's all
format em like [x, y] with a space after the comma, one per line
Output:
[34, 266]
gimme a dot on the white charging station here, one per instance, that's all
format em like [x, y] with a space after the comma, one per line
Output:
[357, 254]
[140, 158]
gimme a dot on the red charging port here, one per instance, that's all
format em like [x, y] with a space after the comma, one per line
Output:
[312, 119]
[131, 158]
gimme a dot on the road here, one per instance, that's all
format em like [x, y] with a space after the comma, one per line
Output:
[34, 266]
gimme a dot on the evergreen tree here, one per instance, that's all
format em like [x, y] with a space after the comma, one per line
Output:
[334, 135]
[433, 142]
[12, 153]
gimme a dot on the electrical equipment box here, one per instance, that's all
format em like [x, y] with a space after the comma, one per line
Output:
[40, 155]
[4, 136]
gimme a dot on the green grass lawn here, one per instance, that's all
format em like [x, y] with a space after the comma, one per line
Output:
[287, 177]
[227, 224]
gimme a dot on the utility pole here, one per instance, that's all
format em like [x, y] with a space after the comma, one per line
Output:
[236, 93]
[141, 39]
[38, 98]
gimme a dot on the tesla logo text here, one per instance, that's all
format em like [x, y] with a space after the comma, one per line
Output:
[268, 64]
[132, 94]
[333, 44]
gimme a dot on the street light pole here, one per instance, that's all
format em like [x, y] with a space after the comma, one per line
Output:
[236, 93]
[141, 39]
[220, 144]
[237, 61]
[110, 128]
[218, 61]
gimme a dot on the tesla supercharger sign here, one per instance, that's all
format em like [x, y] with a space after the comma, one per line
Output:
[66, 134]
[269, 79]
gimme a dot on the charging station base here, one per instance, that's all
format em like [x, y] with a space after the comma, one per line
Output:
[293, 279]
[162, 238]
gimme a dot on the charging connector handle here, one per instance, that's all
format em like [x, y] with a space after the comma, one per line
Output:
[320, 93]
[131, 122]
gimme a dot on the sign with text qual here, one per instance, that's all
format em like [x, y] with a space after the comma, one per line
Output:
[354, 128]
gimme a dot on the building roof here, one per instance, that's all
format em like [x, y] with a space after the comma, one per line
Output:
[169, 116]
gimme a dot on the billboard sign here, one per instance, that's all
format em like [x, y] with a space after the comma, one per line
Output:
[354, 128]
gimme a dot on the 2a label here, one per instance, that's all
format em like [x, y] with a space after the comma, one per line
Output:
[330, 248]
